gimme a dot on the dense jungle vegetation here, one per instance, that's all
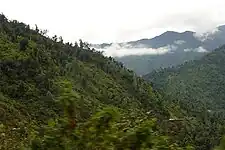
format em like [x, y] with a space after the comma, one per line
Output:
[198, 87]
[58, 95]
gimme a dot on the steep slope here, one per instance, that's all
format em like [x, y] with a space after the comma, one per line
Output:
[39, 75]
[56, 95]
[199, 84]
[198, 88]
[180, 47]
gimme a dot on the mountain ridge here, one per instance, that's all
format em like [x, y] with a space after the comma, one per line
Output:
[165, 34]
[178, 46]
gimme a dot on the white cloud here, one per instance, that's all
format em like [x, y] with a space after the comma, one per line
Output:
[179, 42]
[99, 21]
[199, 49]
[206, 35]
[116, 50]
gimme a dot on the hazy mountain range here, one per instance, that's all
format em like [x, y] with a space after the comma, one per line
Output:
[169, 48]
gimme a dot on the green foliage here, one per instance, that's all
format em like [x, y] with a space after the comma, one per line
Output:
[50, 91]
[41, 76]
[23, 44]
[103, 131]
[197, 87]
[222, 145]
[199, 81]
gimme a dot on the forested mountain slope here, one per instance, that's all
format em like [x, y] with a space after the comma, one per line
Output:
[43, 78]
[199, 84]
[63, 96]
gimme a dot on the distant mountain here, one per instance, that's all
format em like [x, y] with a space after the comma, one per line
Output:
[186, 39]
[195, 83]
[180, 47]
[143, 64]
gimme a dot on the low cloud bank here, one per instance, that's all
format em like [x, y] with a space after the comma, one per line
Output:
[125, 49]
[199, 49]
[116, 50]
[208, 35]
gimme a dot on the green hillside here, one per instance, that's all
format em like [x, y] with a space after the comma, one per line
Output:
[63, 96]
[198, 83]
[197, 87]
[43, 78]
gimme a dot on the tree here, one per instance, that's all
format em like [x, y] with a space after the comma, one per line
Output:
[81, 44]
[54, 38]
[3, 19]
[36, 28]
[23, 44]
[60, 39]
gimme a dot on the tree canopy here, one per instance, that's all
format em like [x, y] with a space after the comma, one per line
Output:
[57, 95]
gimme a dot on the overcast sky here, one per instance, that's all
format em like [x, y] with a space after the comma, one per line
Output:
[98, 21]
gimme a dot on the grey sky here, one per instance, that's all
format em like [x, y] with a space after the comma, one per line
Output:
[98, 21]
